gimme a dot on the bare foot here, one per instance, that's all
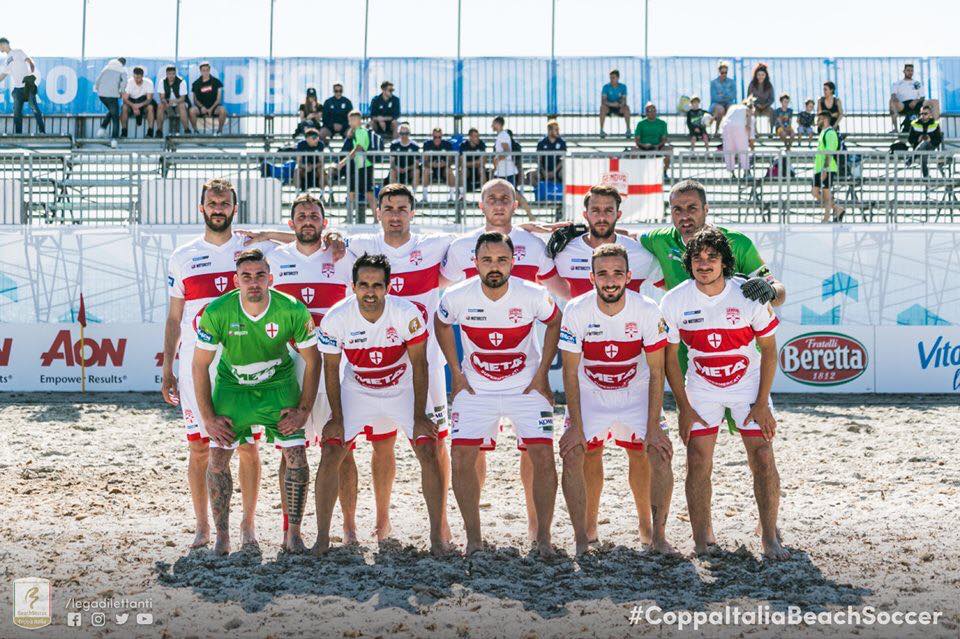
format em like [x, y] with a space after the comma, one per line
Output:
[202, 538]
[472, 547]
[546, 550]
[321, 547]
[532, 533]
[709, 548]
[443, 549]
[582, 547]
[350, 536]
[646, 535]
[294, 544]
[383, 532]
[662, 546]
[222, 545]
[773, 549]
[758, 531]
[445, 534]
[248, 535]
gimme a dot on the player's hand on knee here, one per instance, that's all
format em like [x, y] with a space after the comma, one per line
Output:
[572, 439]
[220, 430]
[292, 420]
[541, 385]
[423, 426]
[762, 414]
[460, 383]
[333, 429]
[658, 442]
[688, 418]
[169, 390]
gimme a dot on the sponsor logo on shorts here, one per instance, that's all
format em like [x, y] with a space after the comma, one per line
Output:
[498, 366]
[823, 359]
[380, 379]
[611, 377]
[721, 370]
[546, 421]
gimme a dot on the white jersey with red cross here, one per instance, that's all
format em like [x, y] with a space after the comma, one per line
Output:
[376, 353]
[612, 347]
[501, 350]
[200, 272]
[574, 264]
[530, 261]
[316, 280]
[720, 332]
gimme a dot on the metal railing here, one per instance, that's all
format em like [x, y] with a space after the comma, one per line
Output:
[118, 187]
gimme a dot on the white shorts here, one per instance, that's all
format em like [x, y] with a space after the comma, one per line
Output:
[475, 419]
[378, 417]
[715, 413]
[617, 414]
[320, 412]
[188, 397]
[437, 397]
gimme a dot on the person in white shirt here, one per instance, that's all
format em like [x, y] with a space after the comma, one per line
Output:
[23, 84]
[138, 101]
[109, 87]
[738, 132]
[907, 96]
[503, 165]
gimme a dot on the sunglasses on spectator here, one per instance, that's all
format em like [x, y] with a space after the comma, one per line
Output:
[337, 90]
[313, 135]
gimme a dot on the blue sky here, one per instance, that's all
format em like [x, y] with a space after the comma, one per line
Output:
[490, 28]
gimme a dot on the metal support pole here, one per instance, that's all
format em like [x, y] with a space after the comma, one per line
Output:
[271, 78]
[176, 38]
[83, 35]
[646, 52]
[366, 34]
[458, 81]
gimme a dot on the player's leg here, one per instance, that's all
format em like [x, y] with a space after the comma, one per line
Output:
[698, 487]
[327, 488]
[281, 476]
[895, 108]
[466, 490]
[526, 480]
[221, 118]
[575, 495]
[603, 115]
[295, 479]
[625, 112]
[383, 466]
[532, 417]
[639, 477]
[194, 115]
[184, 116]
[474, 422]
[431, 482]
[220, 487]
[199, 457]
[593, 478]
[348, 489]
[249, 454]
[437, 408]
[125, 112]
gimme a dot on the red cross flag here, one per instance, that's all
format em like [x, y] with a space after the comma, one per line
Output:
[639, 182]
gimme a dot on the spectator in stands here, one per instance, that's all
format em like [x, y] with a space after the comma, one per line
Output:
[437, 169]
[473, 167]
[109, 85]
[336, 110]
[737, 133]
[783, 122]
[907, 97]
[173, 101]
[310, 111]
[925, 135]
[550, 167]
[504, 164]
[761, 89]
[23, 85]
[385, 112]
[825, 167]
[138, 101]
[207, 99]
[404, 159]
[358, 165]
[806, 120]
[613, 101]
[723, 93]
[830, 103]
[695, 126]
[651, 134]
[309, 171]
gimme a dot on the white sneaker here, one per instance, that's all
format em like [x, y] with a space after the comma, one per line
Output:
[113, 143]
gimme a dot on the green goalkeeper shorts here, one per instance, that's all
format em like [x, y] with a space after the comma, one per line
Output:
[253, 409]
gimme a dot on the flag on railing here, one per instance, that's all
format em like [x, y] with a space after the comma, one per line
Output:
[639, 182]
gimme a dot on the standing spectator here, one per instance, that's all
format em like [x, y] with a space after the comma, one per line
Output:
[736, 132]
[309, 171]
[761, 89]
[385, 112]
[806, 119]
[831, 104]
[695, 126]
[550, 167]
[825, 167]
[207, 99]
[503, 162]
[335, 112]
[473, 166]
[925, 135]
[173, 101]
[723, 93]
[907, 97]
[613, 101]
[437, 169]
[783, 121]
[109, 85]
[138, 101]
[358, 165]
[310, 111]
[651, 134]
[23, 83]
[404, 159]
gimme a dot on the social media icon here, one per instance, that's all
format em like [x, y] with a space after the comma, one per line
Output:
[121, 618]
[74, 619]
[144, 618]
[98, 619]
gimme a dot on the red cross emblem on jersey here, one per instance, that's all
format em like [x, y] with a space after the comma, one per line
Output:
[327, 270]
[271, 329]
[392, 335]
[519, 252]
[630, 329]
[515, 314]
[306, 293]
[496, 338]
[221, 283]
[396, 284]
[733, 315]
[416, 257]
[610, 350]
[714, 339]
[376, 357]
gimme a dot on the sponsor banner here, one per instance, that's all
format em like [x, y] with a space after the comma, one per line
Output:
[825, 359]
[918, 359]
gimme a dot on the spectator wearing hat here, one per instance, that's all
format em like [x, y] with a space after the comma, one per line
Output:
[173, 100]
[385, 112]
[310, 110]
[473, 165]
[438, 169]
[695, 125]
[109, 86]
[309, 171]
[23, 84]
[613, 101]
[335, 114]
[651, 133]
[138, 101]
[723, 93]
[404, 159]
[207, 99]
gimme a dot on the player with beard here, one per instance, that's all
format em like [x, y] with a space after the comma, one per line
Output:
[612, 344]
[311, 272]
[199, 272]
